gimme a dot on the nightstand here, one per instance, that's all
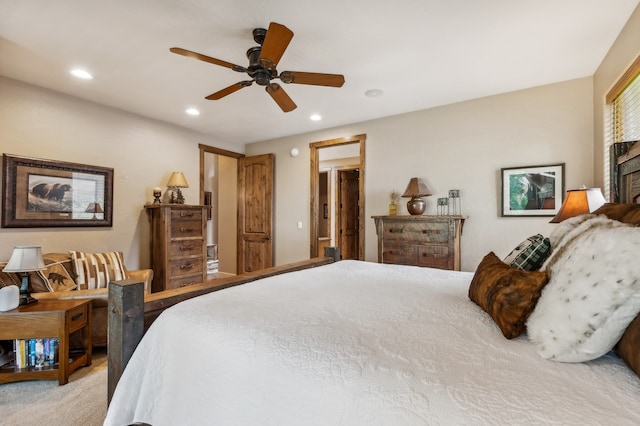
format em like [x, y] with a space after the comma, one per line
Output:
[48, 319]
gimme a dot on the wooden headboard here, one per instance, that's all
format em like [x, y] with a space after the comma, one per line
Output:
[625, 172]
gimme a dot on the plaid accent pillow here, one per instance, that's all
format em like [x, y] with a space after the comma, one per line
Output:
[530, 254]
[96, 270]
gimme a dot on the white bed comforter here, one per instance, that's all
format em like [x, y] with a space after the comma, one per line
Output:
[357, 343]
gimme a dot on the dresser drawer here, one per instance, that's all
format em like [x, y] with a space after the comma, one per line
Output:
[180, 282]
[187, 228]
[401, 254]
[434, 256]
[186, 266]
[407, 231]
[186, 214]
[182, 248]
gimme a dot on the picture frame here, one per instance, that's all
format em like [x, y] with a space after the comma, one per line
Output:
[532, 190]
[38, 193]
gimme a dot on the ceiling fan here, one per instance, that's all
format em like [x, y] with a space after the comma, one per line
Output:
[263, 60]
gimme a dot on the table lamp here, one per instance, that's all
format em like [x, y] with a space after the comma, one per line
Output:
[94, 208]
[415, 190]
[579, 201]
[177, 181]
[25, 259]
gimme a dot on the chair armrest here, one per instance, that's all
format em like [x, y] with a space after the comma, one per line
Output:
[96, 293]
[144, 275]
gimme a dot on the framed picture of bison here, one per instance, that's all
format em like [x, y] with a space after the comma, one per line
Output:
[39, 193]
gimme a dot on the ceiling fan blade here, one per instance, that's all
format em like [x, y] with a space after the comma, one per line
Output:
[205, 58]
[229, 90]
[280, 96]
[275, 43]
[316, 79]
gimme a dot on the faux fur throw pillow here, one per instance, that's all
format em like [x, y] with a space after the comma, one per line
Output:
[593, 291]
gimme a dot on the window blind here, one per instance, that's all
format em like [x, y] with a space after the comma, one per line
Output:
[622, 121]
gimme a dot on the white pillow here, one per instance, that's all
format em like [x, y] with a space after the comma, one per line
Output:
[593, 291]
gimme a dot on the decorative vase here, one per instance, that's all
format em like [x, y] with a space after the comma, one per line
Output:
[392, 209]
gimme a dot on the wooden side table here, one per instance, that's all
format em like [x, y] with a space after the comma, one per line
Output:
[49, 318]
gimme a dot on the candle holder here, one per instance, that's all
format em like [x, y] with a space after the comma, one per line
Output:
[157, 193]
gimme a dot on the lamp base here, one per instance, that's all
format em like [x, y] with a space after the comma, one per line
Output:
[416, 206]
[25, 291]
[26, 299]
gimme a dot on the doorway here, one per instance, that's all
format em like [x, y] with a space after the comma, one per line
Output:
[218, 189]
[349, 218]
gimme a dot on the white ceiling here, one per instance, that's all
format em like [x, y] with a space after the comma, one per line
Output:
[421, 53]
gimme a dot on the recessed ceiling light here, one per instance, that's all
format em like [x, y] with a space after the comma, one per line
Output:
[373, 93]
[316, 117]
[80, 73]
[192, 111]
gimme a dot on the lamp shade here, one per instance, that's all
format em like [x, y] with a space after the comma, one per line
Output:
[579, 201]
[416, 188]
[177, 180]
[94, 208]
[25, 259]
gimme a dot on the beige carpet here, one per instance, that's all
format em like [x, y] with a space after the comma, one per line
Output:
[81, 402]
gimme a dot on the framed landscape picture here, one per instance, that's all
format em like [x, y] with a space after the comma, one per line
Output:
[47, 193]
[532, 190]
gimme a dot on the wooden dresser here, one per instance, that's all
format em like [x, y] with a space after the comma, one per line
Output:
[178, 245]
[432, 241]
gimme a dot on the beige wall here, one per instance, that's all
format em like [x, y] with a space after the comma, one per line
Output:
[39, 123]
[623, 52]
[460, 146]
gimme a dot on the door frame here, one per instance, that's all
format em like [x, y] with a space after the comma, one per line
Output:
[205, 149]
[314, 202]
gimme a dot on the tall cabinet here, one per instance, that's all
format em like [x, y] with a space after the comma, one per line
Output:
[178, 245]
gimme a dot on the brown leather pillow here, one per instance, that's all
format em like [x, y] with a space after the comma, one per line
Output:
[507, 294]
[629, 345]
[633, 217]
[615, 211]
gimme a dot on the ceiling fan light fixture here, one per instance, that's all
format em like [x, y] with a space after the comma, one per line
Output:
[315, 117]
[192, 111]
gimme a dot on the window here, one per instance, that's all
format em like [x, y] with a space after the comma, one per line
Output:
[622, 121]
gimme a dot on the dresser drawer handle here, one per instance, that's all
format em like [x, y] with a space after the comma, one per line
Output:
[187, 266]
[186, 248]
[186, 229]
[396, 231]
[397, 252]
[77, 316]
[186, 214]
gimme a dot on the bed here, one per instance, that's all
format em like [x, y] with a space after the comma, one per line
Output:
[360, 343]
[357, 343]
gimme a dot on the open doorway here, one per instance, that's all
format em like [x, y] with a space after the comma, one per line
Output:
[337, 196]
[218, 189]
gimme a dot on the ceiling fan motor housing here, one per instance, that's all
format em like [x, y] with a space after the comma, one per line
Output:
[260, 74]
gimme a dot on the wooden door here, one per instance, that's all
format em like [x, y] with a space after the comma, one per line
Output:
[348, 213]
[255, 213]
